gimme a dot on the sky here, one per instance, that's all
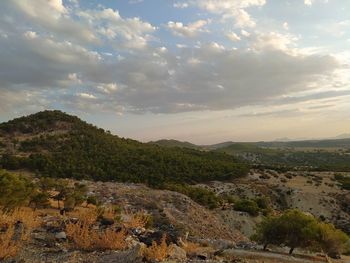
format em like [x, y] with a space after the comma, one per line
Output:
[203, 71]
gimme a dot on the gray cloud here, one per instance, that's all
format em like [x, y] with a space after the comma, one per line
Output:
[143, 78]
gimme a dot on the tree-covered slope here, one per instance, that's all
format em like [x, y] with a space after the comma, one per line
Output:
[55, 144]
[175, 143]
[317, 159]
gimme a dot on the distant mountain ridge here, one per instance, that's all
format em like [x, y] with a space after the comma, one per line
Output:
[175, 143]
[342, 141]
[319, 155]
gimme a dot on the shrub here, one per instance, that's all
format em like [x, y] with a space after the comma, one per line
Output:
[249, 206]
[137, 220]
[85, 237]
[331, 240]
[110, 239]
[200, 195]
[343, 180]
[91, 200]
[157, 252]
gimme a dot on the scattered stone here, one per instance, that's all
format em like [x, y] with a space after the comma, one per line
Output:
[61, 235]
[177, 253]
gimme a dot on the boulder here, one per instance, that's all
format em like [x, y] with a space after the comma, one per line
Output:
[177, 253]
[61, 235]
[133, 255]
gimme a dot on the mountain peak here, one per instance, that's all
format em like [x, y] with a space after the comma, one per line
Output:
[40, 122]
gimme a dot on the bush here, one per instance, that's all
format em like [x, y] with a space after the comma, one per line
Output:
[249, 206]
[343, 180]
[85, 237]
[200, 195]
[157, 252]
[332, 241]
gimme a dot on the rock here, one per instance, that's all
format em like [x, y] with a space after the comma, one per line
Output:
[106, 221]
[218, 244]
[149, 237]
[133, 255]
[138, 231]
[177, 253]
[61, 235]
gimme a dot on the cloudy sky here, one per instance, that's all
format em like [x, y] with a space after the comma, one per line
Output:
[199, 70]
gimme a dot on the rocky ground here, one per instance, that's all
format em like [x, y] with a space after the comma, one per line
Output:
[220, 235]
[314, 192]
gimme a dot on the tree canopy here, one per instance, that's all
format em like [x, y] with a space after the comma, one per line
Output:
[296, 229]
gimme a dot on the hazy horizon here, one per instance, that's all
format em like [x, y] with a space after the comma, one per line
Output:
[203, 71]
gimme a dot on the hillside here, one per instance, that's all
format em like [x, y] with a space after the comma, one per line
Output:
[320, 157]
[175, 143]
[56, 144]
[327, 143]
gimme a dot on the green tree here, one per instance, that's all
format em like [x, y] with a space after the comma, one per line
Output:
[40, 200]
[268, 232]
[62, 190]
[331, 240]
[297, 229]
[15, 190]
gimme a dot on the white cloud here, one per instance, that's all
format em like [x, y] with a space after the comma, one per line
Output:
[245, 33]
[30, 34]
[73, 77]
[190, 30]
[309, 2]
[233, 36]
[86, 96]
[108, 87]
[53, 16]
[227, 9]
[128, 32]
[180, 5]
[274, 40]
[286, 25]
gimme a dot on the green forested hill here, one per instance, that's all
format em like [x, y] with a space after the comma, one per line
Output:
[55, 144]
[175, 143]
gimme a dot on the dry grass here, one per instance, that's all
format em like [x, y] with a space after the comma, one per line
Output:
[110, 239]
[8, 247]
[158, 252]
[15, 227]
[190, 247]
[84, 236]
[136, 220]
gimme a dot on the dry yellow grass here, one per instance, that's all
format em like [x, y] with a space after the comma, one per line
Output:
[84, 236]
[158, 252]
[13, 234]
[190, 247]
[8, 247]
[136, 220]
[110, 239]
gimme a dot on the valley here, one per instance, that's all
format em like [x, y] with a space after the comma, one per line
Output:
[207, 202]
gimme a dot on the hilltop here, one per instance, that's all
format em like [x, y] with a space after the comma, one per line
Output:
[56, 144]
